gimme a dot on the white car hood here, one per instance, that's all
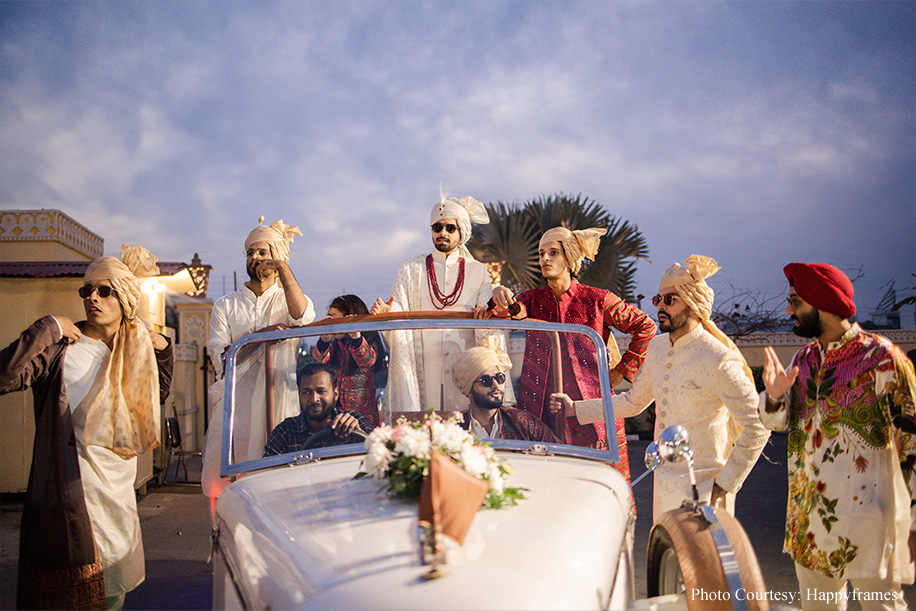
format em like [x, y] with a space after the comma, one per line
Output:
[311, 537]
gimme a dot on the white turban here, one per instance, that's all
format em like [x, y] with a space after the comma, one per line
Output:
[689, 280]
[473, 362]
[123, 414]
[577, 245]
[278, 236]
[465, 210]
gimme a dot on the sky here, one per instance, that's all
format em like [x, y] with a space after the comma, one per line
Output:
[757, 133]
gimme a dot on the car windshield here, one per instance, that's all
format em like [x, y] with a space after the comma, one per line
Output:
[282, 389]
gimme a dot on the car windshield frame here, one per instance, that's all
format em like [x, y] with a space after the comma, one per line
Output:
[411, 321]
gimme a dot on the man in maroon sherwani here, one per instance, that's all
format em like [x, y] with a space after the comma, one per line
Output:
[565, 300]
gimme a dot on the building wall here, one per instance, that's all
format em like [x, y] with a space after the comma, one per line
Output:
[45, 235]
[23, 301]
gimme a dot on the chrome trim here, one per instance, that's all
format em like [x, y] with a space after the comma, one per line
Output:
[726, 557]
[227, 470]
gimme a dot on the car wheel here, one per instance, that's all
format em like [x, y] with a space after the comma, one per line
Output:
[683, 559]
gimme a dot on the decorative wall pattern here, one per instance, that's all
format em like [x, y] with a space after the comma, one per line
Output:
[54, 225]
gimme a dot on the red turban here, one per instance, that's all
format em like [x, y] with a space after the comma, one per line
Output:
[823, 286]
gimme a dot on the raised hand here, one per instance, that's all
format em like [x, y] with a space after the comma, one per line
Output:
[776, 379]
[381, 307]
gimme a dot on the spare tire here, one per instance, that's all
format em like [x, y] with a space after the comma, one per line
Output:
[683, 558]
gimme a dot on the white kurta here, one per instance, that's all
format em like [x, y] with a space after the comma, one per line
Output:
[235, 315]
[108, 479]
[700, 384]
[417, 384]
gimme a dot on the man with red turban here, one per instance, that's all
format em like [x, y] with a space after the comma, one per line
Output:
[98, 385]
[565, 300]
[848, 404]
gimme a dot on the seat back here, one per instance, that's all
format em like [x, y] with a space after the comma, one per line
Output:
[173, 432]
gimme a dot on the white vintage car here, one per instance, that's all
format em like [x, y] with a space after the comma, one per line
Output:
[297, 530]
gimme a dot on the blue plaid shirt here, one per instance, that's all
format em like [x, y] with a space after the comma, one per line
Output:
[291, 434]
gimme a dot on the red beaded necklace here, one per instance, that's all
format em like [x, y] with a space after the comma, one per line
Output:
[435, 294]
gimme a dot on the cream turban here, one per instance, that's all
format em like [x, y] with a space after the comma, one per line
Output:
[135, 262]
[123, 413]
[465, 210]
[472, 363]
[577, 245]
[689, 280]
[278, 236]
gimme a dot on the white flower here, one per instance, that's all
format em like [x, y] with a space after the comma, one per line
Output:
[473, 460]
[451, 438]
[495, 478]
[377, 460]
[414, 443]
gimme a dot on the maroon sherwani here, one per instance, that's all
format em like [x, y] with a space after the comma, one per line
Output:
[58, 567]
[519, 425]
[601, 310]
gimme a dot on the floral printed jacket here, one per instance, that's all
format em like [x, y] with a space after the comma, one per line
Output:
[851, 452]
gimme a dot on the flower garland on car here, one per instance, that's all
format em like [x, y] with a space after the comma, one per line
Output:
[400, 455]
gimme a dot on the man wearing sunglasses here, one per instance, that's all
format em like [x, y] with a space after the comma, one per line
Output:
[98, 385]
[447, 279]
[699, 380]
[481, 373]
[271, 299]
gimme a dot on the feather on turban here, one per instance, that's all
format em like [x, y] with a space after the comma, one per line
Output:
[473, 362]
[577, 245]
[123, 413]
[689, 280]
[278, 236]
[465, 210]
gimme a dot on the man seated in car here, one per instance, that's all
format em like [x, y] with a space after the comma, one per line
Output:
[318, 411]
[480, 373]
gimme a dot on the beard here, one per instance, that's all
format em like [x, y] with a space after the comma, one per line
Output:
[669, 324]
[252, 269]
[326, 409]
[808, 325]
[486, 400]
[445, 247]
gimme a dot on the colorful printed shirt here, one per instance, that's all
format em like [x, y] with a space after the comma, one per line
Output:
[354, 360]
[851, 454]
[601, 310]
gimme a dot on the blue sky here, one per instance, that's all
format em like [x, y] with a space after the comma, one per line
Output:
[757, 133]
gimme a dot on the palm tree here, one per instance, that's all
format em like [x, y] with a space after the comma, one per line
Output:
[511, 239]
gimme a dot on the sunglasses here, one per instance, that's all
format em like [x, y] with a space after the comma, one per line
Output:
[451, 227]
[487, 380]
[667, 299]
[103, 291]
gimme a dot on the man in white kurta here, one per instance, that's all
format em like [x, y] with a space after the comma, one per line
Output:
[450, 279]
[271, 299]
[698, 380]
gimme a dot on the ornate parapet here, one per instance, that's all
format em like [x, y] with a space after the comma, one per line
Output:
[51, 226]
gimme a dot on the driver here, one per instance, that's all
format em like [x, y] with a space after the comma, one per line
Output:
[480, 373]
[318, 411]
